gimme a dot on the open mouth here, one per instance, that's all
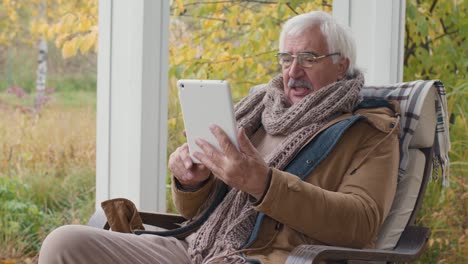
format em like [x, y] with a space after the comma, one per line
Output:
[300, 87]
[300, 90]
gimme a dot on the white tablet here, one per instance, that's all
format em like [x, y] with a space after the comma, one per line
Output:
[203, 103]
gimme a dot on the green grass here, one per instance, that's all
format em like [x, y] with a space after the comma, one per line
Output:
[445, 210]
[47, 169]
[47, 160]
[76, 99]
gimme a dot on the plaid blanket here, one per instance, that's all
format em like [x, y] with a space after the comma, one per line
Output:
[407, 95]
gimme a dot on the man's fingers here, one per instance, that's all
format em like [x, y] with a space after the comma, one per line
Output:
[185, 157]
[208, 162]
[177, 167]
[210, 157]
[208, 150]
[224, 142]
[245, 145]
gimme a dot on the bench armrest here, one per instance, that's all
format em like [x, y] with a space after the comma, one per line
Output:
[409, 248]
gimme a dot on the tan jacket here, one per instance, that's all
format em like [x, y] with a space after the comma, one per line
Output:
[333, 206]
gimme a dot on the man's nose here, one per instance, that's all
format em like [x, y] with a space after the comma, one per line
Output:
[295, 70]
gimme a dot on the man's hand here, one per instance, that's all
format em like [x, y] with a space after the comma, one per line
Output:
[188, 173]
[244, 170]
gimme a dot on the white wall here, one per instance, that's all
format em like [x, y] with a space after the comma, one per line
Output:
[379, 27]
[132, 102]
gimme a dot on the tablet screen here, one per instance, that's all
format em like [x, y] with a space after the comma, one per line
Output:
[203, 103]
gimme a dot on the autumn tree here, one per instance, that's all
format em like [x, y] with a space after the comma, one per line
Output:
[233, 40]
[71, 24]
[435, 40]
[436, 48]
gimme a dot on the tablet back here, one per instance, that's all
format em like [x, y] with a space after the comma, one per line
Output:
[206, 102]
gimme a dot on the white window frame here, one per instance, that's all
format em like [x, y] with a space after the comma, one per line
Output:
[379, 27]
[132, 102]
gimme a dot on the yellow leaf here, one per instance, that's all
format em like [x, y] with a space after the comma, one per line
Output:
[88, 42]
[66, 24]
[59, 40]
[180, 6]
[219, 7]
[58, 27]
[224, 56]
[232, 21]
[43, 28]
[207, 23]
[69, 48]
[260, 69]
[50, 33]
[222, 33]
[240, 59]
[272, 34]
[13, 16]
[94, 10]
[172, 122]
[249, 62]
[85, 24]
[33, 28]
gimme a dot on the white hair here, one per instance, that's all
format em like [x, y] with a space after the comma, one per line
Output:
[338, 36]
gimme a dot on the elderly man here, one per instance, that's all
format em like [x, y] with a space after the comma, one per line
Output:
[342, 201]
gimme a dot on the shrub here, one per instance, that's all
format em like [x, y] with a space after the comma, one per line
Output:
[21, 222]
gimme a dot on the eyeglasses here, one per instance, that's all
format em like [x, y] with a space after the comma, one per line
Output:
[305, 59]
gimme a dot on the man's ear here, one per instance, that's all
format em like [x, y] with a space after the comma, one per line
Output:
[343, 65]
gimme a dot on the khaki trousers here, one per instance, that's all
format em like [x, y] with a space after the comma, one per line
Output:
[83, 244]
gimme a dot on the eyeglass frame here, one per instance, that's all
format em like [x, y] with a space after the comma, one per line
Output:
[299, 58]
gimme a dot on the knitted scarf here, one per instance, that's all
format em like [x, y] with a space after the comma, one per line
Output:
[230, 225]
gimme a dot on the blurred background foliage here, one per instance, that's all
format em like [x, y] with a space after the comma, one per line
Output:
[47, 158]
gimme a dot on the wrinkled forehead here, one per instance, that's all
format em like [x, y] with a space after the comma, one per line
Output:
[297, 28]
[307, 40]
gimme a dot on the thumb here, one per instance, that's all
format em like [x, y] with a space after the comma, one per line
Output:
[245, 145]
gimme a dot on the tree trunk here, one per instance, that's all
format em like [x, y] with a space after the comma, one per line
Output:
[41, 75]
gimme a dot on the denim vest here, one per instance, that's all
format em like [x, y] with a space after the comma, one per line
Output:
[310, 157]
